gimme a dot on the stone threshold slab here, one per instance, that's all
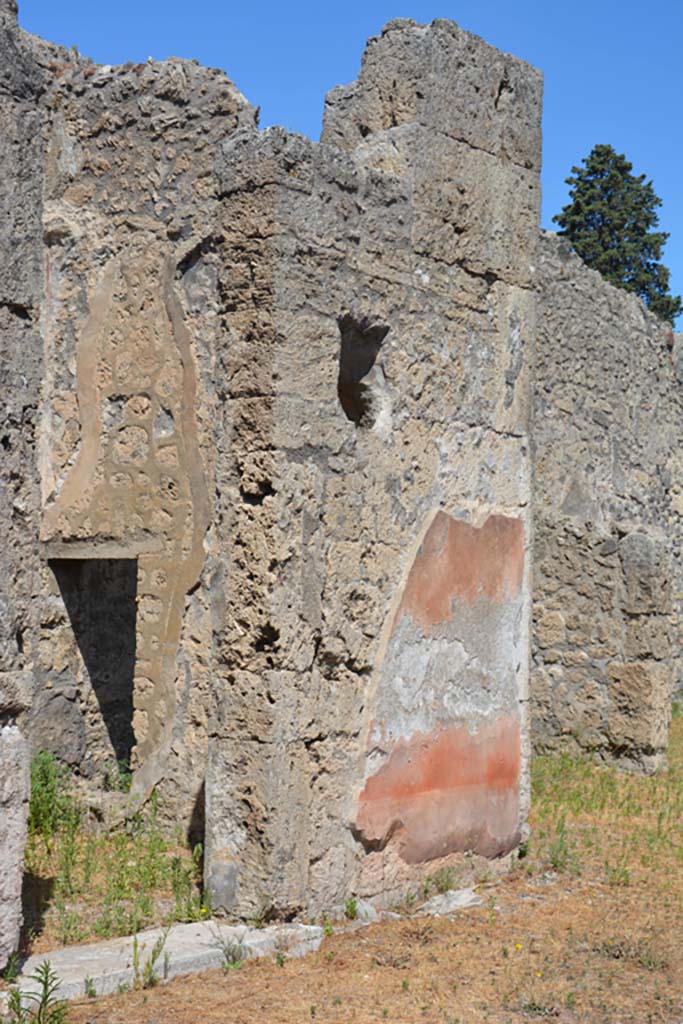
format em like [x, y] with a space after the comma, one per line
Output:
[108, 967]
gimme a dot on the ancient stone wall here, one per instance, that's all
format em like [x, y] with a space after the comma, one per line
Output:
[266, 482]
[372, 608]
[608, 518]
[111, 200]
[21, 369]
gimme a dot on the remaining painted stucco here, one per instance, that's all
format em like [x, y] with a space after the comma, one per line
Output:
[444, 748]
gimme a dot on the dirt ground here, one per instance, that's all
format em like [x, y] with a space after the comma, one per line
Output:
[589, 928]
[547, 951]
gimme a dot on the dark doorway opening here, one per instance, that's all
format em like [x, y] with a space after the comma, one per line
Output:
[100, 599]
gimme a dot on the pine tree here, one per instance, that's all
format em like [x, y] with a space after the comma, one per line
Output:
[611, 222]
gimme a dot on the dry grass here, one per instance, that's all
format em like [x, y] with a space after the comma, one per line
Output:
[588, 929]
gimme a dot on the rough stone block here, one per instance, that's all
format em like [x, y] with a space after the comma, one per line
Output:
[550, 629]
[447, 80]
[640, 699]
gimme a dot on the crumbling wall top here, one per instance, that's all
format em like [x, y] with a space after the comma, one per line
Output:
[445, 79]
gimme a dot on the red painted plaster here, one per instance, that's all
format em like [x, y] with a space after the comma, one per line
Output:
[463, 561]
[446, 791]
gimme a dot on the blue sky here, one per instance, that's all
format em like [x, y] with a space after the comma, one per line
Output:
[612, 67]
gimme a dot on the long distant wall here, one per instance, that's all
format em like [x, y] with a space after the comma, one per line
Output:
[608, 517]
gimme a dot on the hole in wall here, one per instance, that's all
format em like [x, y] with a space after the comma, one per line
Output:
[267, 638]
[361, 342]
[100, 599]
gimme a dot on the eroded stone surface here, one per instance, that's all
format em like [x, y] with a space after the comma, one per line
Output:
[321, 512]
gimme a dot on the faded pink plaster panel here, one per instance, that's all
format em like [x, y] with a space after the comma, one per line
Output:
[463, 561]
[446, 791]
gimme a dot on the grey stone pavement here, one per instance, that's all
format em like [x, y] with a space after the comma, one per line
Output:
[108, 967]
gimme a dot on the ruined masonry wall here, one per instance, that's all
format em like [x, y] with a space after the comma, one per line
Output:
[608, 518]
[374, 505]
[122, 206]
[21, 369]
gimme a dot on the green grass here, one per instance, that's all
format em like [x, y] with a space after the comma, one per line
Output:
[629, 823]
[101, 884]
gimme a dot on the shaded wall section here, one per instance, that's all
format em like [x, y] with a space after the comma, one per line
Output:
[123, 210]
[21, 375]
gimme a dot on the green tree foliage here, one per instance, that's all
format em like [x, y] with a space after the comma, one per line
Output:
[611, 221]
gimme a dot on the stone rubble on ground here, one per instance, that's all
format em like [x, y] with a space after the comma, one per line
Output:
[449, 903]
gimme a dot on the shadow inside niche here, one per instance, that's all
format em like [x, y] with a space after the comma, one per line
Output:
[100, 598]
[361, 342]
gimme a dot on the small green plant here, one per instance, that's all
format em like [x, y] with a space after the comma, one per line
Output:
[617, 873]
[89, 988]
[41, 1007]
[280, 959]
[189, 905]
[12, 970]
[232, 951]
[559, 851]
[68, 922]
[351, 908]
[144, 974]
[51, 801]
[328, 929]
[118, 777]
[492, 909]
[444, 880]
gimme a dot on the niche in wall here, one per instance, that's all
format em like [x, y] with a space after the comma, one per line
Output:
[360, 380]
